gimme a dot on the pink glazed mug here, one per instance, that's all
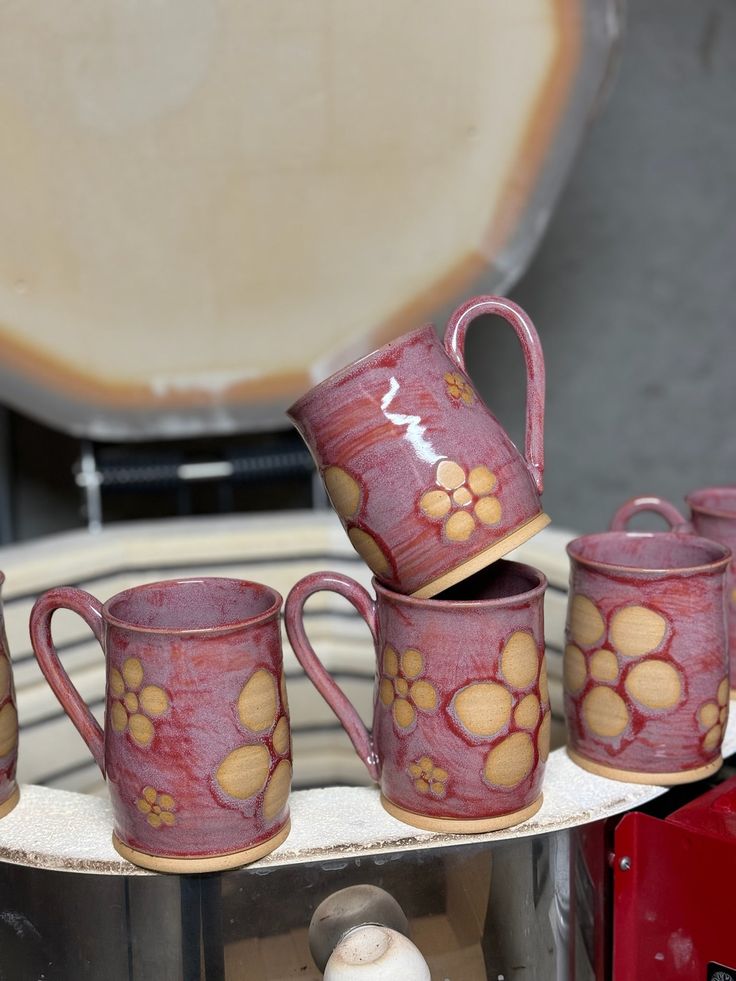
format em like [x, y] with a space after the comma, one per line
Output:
[426, 482]
[9, 792]
[196, 746]
[461, 719]
[646, 662]
[712, 515]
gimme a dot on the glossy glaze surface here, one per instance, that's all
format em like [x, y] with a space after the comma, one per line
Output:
[196, 746]
[461, 711]
[420, 472]
[712, 515]
[8, 722]
[646, 665]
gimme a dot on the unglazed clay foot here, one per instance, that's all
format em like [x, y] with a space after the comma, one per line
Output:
[376, 953]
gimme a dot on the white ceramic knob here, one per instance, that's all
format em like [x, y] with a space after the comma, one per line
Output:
[376, 953]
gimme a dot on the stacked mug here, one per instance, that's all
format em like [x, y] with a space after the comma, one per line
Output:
[432, 493]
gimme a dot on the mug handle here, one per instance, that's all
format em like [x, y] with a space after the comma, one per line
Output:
[90, 610]
[657, 505]
[455, 331]
[318, 674]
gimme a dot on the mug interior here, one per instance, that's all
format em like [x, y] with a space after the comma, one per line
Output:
[718, 501]
[646, 552]
[192, 604]
[501, 580]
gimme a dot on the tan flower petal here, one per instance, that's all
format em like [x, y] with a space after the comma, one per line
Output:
[422, 786]
[141, 729]
[154, 700]
[166, 802]
[481, 481]
[404, 713]
[439, 774]
[438, 789]
[450, 475]
[258, 701]
[281, 736]
[423, 695]
[119, 717]
[459, 526]
[344, 491]
[133, 673]
[386, 691]
[390, 662]
[435, 503]
[713, 738]
[143, 806]
[150, 795]
[708, 714]
[167, 818]
[723, 692]
[402, 686]
[4, 676]
[415, 770]
[154, 820]
[370, 551]
[243, 772]
[488, 510]
[117, 685]
[426, 764]
[412, 663]
[277, 791]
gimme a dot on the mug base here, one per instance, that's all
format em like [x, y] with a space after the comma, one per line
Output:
[640, 776]
[496, 551]
[7, 805]
[461, 826]
[208, 863]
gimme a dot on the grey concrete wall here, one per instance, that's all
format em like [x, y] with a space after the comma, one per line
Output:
[633, 288]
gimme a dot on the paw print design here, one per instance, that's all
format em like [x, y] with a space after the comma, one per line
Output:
[428, 778]
[514, 707]
[158, 808]
[635, 634]
[263, 768]
[458, 388]
[347, 497]
[8, 713]
[713, 716]
[402, 689]
[461, 500]
[134, 705]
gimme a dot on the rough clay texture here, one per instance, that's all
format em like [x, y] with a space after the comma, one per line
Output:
[55, 829]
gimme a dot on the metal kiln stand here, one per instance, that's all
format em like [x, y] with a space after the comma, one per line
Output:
[520, 904]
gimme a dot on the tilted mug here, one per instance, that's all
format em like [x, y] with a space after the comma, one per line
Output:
[712, 515]
[196, 745]
[9, 793]
[427, 483]
[646, 661]
[461, 721]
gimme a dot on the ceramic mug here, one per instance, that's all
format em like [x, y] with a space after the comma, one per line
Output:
[9, 792]
[196, 745]
[426, 482]
[461, 718]
[712, 515]
[646, 661]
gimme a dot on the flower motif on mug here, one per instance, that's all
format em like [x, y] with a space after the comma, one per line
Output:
[158, 808]
[428, 778]
[713, 716]
[402, 689]
[134, 706]
[635, 633]
[461, 500]
[458, 388]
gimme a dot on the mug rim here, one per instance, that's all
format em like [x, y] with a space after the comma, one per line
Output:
[691, 501]
[220, 628]
[451, 604]
[685, 538]
[343, 372]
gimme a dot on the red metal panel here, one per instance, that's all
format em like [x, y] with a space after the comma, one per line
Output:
[675, 892]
